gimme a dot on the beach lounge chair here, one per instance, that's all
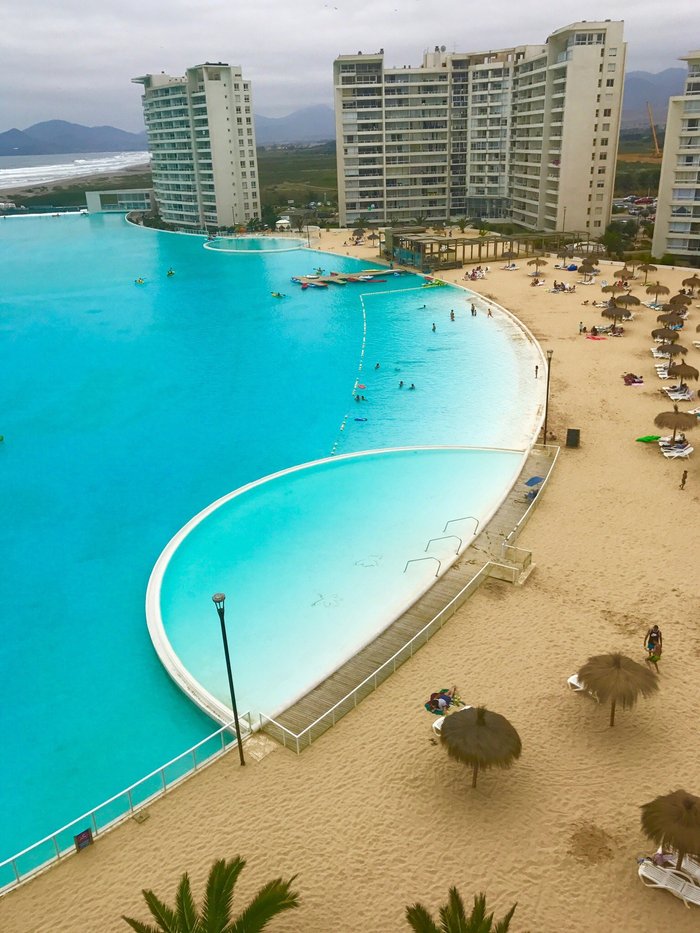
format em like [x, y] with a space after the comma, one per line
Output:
[679, 454]
[669, 879]
[576, 685]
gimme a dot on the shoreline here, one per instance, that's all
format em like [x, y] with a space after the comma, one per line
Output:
[366, 813]
[102, 181]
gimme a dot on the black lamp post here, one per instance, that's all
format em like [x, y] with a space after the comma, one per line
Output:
[218, 600]
[550, 354]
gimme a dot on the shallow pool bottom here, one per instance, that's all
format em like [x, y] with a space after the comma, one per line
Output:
[254, 244]
[316, 562]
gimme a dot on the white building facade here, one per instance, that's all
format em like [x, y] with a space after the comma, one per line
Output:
[202, 143]
[527, 133]
[677, 226]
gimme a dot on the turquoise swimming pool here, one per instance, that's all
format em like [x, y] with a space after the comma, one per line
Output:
[127, 409]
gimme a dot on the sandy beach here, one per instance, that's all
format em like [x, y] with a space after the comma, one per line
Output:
[90, 182]
[375, 816]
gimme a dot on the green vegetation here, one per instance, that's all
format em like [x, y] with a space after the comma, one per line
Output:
[454, 919]
[640, 178]
[216, 913]
[298, 173]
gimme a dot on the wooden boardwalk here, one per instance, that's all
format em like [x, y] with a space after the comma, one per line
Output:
[304, 718]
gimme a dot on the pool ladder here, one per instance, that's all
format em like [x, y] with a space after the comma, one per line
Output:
[444, 537]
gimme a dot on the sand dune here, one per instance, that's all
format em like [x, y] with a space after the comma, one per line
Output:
[375, 815]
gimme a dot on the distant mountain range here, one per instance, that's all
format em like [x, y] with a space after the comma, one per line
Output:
[57, 136]
[642, 86]
[308, 125]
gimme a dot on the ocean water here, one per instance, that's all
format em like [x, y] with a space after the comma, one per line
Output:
[127, 409]
[26, 170]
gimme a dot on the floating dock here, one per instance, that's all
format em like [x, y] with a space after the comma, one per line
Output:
[318, 280]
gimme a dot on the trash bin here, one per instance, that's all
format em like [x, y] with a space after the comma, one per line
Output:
[573, 437]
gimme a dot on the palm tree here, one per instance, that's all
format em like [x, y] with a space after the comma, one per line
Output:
[453, 917]
[215, 915]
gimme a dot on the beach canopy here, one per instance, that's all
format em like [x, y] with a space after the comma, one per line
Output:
[481, 739]
[646, 268]
[665, 333]
[657, 289]
[615, 313]
[680, 299]
[617, 679]
[673, 821]
[627, 300]
[676, 420]
[693, 282]
[534, 480]
[671, 349]
[625, 273]
[613, 289]
[669, 317]
[683, 370]
[537, 262]
[509, 254]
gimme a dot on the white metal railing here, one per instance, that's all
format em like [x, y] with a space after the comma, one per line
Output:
[522, 521]
[41, 855]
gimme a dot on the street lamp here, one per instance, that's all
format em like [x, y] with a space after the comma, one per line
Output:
[550, 354]
[218, 600]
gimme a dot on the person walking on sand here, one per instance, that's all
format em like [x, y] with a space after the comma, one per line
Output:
[488, 313]
[653, 641]
[537, 369]
[683, 479]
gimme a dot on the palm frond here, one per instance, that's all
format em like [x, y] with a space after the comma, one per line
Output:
[453, 915]
[188, 917]
[275, 897]
[140, 927]
[216, 911]
[504, 925]
[419, 919]
[165, 917]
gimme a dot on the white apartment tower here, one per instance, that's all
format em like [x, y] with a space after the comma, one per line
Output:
[677, 226]
[527, 133]
[202, 143]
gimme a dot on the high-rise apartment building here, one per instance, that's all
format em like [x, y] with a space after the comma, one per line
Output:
[677, 226]
[202, 143]
[527, 133]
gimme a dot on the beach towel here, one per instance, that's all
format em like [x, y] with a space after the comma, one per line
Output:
[594, 337]
[649, 439]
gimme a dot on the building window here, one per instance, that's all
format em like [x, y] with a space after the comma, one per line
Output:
[607, 113]
[610, 82]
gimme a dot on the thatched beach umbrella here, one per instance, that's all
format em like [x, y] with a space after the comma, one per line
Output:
[657, 289]
[615, 313]
[683, 371]
[670, 317]
[480, 739]
[509, 254]
[614, 679]
[673, 821]
[671, 349]
[680, 299]
[613, 290]
[628, 301]
[665, 333]
[537, 262]
[625, 273]
[677, 420]
[693, 282]
[646, 268]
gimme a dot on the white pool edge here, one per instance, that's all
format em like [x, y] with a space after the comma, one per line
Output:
[169, 658]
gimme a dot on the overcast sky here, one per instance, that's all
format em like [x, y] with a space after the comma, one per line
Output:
[74, 60]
